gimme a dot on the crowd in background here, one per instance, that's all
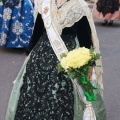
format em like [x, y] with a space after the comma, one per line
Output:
[17, 19]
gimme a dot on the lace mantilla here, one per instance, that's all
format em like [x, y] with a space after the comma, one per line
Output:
[66, 16]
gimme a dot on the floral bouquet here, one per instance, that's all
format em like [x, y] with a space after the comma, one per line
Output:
[76, 64]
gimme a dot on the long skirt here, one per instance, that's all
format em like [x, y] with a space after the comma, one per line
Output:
[16, 24]
[40, 93]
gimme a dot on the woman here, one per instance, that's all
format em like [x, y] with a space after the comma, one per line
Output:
[39, 92]
[16, 23]
[107, 10]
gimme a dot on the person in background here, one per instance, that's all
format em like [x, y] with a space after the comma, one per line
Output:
[16, 23]
[107, 10]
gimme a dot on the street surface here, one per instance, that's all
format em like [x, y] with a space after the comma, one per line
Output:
[11, 61]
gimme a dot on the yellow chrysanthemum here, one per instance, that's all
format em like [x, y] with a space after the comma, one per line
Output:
[76, 58]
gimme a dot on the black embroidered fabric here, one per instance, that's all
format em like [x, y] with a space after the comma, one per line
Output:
[107, 6]
[46, 95]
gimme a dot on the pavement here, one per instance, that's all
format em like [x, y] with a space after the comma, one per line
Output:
[11, 61]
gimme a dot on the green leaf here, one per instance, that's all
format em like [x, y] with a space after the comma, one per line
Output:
[76, 70]
[59, 67]
[71, 75]
[97, 56]
[63, 55]
[91, 50]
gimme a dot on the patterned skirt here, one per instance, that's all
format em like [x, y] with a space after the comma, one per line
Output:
[16, 23]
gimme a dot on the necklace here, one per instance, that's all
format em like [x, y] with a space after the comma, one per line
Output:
[61, 4]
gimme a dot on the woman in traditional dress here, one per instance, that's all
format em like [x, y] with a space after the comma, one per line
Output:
[107, 10]
[39, 92]
[16, 23]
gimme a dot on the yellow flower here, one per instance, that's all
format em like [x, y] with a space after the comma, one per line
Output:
[64, 63]
[76, 58]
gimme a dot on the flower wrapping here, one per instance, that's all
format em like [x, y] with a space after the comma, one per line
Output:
[77, 64]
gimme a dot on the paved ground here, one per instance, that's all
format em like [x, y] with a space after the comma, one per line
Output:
[11, 61]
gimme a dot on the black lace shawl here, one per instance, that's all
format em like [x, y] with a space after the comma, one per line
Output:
[107, 6]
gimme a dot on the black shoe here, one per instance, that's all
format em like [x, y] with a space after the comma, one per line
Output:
[110, 23]
[105, 22]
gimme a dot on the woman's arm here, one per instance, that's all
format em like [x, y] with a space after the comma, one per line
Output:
[83, 32]
[37, 33]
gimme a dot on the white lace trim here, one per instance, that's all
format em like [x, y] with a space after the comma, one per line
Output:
[68, 14]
